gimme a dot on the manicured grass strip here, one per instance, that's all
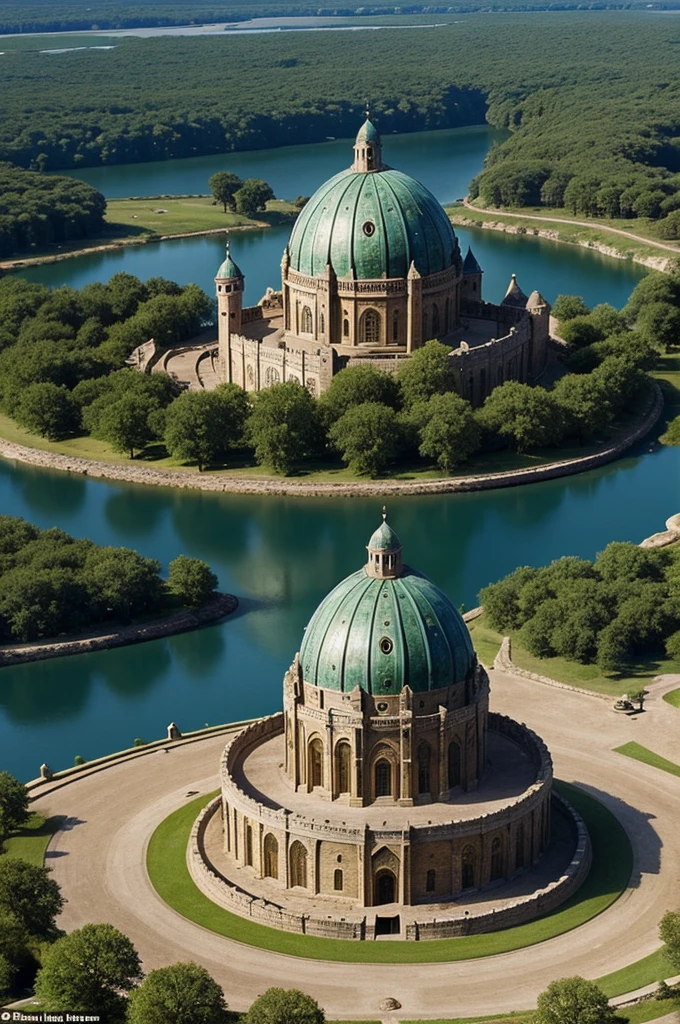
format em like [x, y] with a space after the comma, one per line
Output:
[640, 753]
[612, 865]
[650, 1010]
[654, 967]
[30, 842]
[673, 698]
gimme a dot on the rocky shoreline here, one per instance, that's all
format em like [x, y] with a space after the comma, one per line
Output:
[660, 263]
[138, 474]
[179, 622]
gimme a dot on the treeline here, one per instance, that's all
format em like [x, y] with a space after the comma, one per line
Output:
[37, 210]
[52, 583]
[592, 101]
[62, 373]
[623, 606]
[52, 341]
[36, 16]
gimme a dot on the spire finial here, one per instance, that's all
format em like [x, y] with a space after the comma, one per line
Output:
[367, 111]
[384, 512]
[226, 242]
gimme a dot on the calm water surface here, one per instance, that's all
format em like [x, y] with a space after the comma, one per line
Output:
[281, 555]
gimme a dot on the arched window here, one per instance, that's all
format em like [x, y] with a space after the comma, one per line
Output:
[496, 859]
[249, 844]
[424, 768]
[322, 323]
[383, 777]
[519, 846]
[385, 887]
[430, 880]
[454, 764]
[468, 867]
[337, 880]
[306, 320]
[342, 762]
[298, 865]
[345, 328]
[435, 321]
[395, 326]
[271, 376]
[271, 856]
[315, 764]
[426, 336]
[370, 327]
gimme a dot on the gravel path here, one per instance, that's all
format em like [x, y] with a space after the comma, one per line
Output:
[99, 860]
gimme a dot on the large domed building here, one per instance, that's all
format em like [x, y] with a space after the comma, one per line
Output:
[386, 797]
[372, 271]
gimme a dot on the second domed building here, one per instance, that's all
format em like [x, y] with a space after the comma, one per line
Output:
[372, 271]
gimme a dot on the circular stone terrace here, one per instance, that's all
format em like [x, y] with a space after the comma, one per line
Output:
[515, 785]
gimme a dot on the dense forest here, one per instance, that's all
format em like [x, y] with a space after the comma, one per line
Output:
[51, 583]
[593, 101]
[37, 16]
[620, 608]
[37, 209]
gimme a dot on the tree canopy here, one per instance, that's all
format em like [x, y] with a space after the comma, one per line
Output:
[13, 804]
[284, 1006]
[574, 1001]
[88, 971]
[183, 993]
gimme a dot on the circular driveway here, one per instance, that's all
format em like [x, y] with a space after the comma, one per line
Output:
[98, 858]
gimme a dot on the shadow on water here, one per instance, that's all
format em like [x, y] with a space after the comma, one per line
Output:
[46, 691]
[50, 497]
[199, 652]
[136, 669]
[133, 513]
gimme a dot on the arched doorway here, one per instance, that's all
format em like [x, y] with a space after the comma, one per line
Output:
[424, 758]
[454, 764]
[298, 865]
[315, 764]
[369, 328]
[342, 762]
[385, 887]
[383, 777]
[468, 872]
[271, 856]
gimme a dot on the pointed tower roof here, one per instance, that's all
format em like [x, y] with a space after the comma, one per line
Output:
[514, 295]
[368, 132]
[536, 299]
[228, 269]
[470, 264]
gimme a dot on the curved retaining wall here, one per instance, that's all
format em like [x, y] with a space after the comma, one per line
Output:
[180, 622]
[226, 894]
[168, 478]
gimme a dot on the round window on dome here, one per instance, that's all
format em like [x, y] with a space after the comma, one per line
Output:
[386, 645]
[382, 706]
[368, 228]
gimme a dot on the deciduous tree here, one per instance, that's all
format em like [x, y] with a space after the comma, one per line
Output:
[13, 804]
[180, 994]
[367, 437]
[284, 1006]
[224, 185]
[573, 1001]
[192, 580]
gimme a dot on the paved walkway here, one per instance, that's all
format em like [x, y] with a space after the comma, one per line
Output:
[99, 860]
[577, 223]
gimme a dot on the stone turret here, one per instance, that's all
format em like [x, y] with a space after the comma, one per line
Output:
[471, 282]
[368, 148]
[229, 285]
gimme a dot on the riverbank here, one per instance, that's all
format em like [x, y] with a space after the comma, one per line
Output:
[598, 235]
[145, 474]
[178, 622]
[144, 219]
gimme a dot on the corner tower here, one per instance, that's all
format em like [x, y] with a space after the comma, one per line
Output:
[229, 284]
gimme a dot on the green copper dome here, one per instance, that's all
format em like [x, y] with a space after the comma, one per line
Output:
[382, 633]
[228, 267]
[372, 224]
[384, 539]
[368, 132]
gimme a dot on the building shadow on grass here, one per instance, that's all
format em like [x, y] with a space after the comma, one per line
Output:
[638, 826]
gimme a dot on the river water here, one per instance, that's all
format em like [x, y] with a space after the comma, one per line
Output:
[281, 555]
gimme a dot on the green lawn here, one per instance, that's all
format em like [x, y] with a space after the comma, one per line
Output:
[640, 753]
[174, 216]
[613, 860]
[30, 842]
[673, 698]
[654, 967]
[571, 672]
[639, 1014]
